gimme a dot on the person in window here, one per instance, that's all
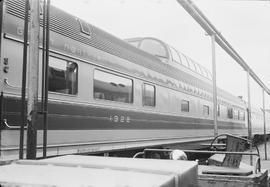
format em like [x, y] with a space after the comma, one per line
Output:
[71, 78]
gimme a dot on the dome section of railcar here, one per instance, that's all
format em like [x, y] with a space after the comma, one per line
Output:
[170, 55]
[153, 46]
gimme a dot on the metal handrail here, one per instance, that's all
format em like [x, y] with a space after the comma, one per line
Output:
[257, 166]
[247, 140]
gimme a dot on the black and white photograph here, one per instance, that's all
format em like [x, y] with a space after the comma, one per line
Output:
[135, 93]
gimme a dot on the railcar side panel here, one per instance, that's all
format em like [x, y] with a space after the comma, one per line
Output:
[91, 113]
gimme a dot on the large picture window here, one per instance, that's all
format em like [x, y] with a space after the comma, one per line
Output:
[63, 76]
[185, 106]
[149, 95]
[112, 87]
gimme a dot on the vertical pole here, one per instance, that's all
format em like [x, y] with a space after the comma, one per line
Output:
[24, 69]
[214, 85]
[1, 73]
[32, 106]
[1, 78]
[249, 117]
[43, 56]
[1, 22]
[264, 126]
[43, 71]
[45, 117]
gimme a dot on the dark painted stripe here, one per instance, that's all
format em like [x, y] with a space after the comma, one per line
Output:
[64, 116]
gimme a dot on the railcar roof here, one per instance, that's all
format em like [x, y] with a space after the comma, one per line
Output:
[79, 30]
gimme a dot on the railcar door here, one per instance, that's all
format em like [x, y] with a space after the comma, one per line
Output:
[1, 73]
[11, 52]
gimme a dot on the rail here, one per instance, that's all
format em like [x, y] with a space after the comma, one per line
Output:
[257, 166]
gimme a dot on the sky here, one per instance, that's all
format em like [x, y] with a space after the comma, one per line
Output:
[244, 24]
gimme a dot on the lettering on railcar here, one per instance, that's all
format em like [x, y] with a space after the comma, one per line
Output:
[88, 150]
[20, 31]
[76, 50]
[119, 118]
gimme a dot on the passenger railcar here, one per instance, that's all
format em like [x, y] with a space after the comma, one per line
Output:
[105, 94]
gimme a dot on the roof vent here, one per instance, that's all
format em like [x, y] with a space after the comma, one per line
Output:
[85, 29]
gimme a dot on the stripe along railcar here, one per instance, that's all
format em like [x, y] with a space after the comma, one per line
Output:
[105, 94]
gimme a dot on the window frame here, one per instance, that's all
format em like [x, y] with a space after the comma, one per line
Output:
[192, 66]
[218, 109]
[209, 75]
[230, 112]
[77, 76]
[144, 95]
[198, 68]
[117, 75]
[174, 54]
[183, 101]
[134, 43]
[235, 114]
[154, 41]
[204, 72]
[242, 115]
[184, 60]
[207, 111]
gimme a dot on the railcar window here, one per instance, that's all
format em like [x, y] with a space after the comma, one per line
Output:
[209, 75]
[218, 110]
[175, 55]
[235, 114]
[149, 95]
[154, 47]
[184, 60]
[63, 76]
[205, 110]
[204, 72]
[230, 113]
[192, 65]
[241, 115]
[134, 43]
[185, 106]
[198, 68]
[112, 87]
